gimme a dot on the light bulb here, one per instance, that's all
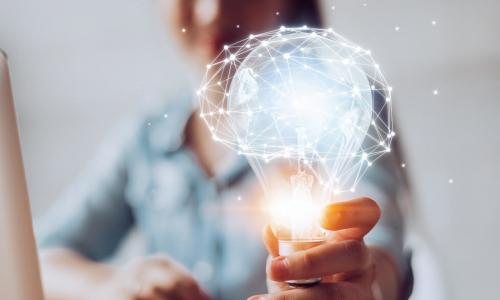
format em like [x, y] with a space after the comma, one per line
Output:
[310, 110]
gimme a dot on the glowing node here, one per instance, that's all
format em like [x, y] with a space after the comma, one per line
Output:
[303, 96]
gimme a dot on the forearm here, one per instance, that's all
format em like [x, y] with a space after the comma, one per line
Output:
[387, 275]
[68, 275]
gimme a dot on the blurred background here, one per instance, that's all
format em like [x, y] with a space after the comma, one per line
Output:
[78, 67]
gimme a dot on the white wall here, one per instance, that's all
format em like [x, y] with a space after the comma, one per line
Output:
[78, 66]
[451, 135]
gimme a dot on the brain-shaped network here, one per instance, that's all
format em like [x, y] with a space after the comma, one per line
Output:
[300, 94]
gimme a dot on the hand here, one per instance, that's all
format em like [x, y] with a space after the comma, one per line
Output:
[345, 263]
[152, 278]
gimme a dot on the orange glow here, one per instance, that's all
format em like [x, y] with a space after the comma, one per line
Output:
[295, 219]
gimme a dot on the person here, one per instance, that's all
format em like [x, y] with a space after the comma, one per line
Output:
[165, 176]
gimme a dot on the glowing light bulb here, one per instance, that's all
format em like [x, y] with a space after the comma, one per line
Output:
[309, 131]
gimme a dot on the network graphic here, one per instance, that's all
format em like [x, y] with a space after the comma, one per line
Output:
[305, 96]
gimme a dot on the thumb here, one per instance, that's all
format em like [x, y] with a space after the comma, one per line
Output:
[351, 219]
[270, 241]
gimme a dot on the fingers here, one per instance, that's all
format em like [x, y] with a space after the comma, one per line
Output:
[351, 219]
[328, 291]
[324, 260]
[182, 287]
[165, 279]
[270, 241]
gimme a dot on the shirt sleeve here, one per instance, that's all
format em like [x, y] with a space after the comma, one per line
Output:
[93, 215]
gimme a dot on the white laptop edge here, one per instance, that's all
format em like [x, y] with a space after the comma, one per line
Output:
[19, 266]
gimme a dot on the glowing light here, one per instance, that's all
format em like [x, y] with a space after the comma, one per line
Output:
[309, 109]
[435, 92]
[272, 99]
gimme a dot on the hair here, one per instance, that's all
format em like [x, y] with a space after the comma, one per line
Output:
[304, 12]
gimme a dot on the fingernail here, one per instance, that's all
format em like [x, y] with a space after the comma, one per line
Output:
[279, 267]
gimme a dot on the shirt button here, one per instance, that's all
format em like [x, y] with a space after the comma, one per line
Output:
[203, 271]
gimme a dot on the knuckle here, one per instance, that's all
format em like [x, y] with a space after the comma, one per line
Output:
[357, 251]
[190, 284]
[184, 283]
[177, 284]
[146, 292]
[308, 261]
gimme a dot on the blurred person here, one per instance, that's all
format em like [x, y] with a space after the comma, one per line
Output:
[166, 176]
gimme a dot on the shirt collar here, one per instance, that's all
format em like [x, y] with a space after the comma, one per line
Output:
[166, 136]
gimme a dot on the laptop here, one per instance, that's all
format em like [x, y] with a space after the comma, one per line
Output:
[19, 267]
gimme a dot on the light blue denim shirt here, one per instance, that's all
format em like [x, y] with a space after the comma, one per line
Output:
[144, 176]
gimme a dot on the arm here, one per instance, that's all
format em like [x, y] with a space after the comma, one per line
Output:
[64, 271]
[88, 224]
[68, 275]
